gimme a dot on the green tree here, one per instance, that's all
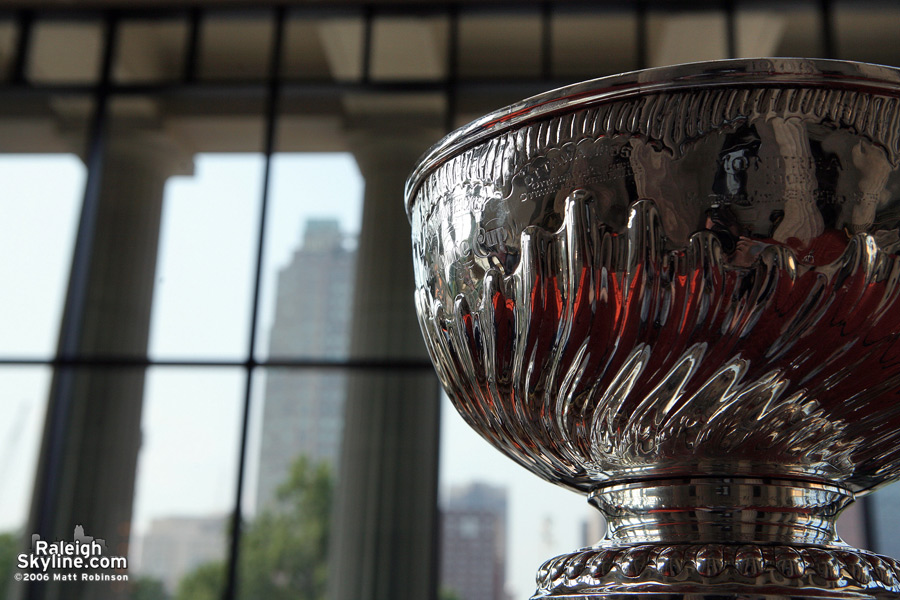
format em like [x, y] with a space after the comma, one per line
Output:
[203, 583]
[448, 594]
[9, 549]
[148, 588]
[284, 551]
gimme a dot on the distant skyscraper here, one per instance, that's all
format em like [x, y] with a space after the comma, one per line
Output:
[885, 526]
[473, 542]
[593, 528]
[174, 547]
[303, 410]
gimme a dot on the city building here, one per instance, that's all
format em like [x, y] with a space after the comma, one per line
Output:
[885, 520]
[593, 528]
[473, 542]
[303, 412]
[175, 546]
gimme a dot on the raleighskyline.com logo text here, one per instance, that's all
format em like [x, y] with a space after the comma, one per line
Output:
[82, 553]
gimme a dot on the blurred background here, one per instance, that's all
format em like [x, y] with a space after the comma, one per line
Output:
[208, 350]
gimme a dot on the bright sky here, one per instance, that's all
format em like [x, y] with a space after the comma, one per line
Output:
[202, 302]
[38, 211]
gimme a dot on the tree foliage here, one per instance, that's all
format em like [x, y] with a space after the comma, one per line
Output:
[148, 588]
[448, 594]
[9, 549]
[203, 583]
[284, 550]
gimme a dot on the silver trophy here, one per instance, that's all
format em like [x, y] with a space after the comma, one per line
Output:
[677, 291]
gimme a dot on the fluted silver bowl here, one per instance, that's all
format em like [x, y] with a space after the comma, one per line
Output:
[676, 290]
[679, 271]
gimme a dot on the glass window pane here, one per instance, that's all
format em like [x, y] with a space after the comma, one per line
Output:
[851, 526]
[518, 34]
[310, 256]
[424, 105]
[329, 46]
[779, 29]
[885, 520]
[65, 52]
[304, 55]
[685, 36]
[236, 46]
[45, 124]
[296, 424]
[297, 413]
[151, 50]
[866, 32]
[588, 45]
[409, 48]
[542, 520]
[200, 159]
[40, 205]
[187, 478]
[24, 391]
[205, 271]
[8, 38]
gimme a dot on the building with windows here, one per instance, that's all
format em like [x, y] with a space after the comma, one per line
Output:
[303, 413]
[175, 546]
[473, 542]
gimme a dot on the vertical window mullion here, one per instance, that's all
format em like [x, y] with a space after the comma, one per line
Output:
[641, 34]
[193, 45]
[271, 115]
[23, 45]
[368, 21]
[826, 17]
[730, 29]
[546, 41]
[451, 89]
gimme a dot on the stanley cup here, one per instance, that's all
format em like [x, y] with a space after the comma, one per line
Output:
[677, 291]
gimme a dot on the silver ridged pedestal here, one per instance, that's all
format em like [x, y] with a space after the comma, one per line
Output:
[677, 291]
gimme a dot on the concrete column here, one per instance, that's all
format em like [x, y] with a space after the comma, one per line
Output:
[86, 472]
[384, 543]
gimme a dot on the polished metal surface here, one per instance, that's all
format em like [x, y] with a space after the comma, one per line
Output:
[718, 572]
[673, 275]
[721, 510]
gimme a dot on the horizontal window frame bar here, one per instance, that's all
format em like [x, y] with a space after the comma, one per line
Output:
[120, 362]
[289, 85]
[351, 8]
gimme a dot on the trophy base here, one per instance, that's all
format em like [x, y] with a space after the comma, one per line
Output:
[717, 538]
[719, 572]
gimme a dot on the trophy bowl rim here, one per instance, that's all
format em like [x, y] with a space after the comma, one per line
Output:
[743, 72]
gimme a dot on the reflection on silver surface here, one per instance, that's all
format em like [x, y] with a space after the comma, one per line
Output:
[680, 273]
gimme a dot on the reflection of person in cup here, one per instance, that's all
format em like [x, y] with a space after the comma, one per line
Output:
[720, 221]
[651, 168]
[742, 249]
[734, 239]
[736, 157]
[737, 245]
[874, 171]
[802, 222]
[802, 229]
[799, 223]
